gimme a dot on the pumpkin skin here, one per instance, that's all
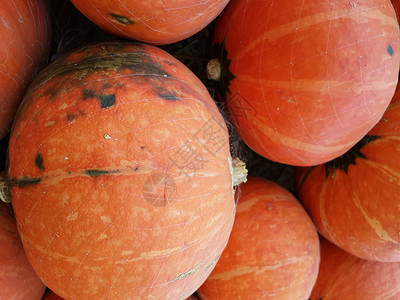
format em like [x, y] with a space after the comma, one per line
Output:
[18, 281]
[51, 296]
[273, 250]
[153, 22]
[345, 276]
[303, 87]
[25, 45]
[354, 200]
[108, 199]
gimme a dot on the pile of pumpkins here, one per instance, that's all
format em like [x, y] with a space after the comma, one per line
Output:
[120, 181]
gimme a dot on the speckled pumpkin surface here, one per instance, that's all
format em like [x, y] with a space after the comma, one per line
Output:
[119, 168]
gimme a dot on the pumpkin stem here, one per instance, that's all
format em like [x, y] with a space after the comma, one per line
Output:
[213, 69]
[239, 173]
[5, 195]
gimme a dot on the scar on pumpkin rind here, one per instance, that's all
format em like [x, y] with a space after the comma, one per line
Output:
[166, 94]
[39, 161]
[25, 181]
[106, 101]
[122, 20]
[96, 173]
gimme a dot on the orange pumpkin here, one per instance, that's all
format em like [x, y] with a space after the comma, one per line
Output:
[18, 281]
[153, 22]
[25, 45]
[305, 80]
[52, 296]
[120, 175]
[344, 276]
[273, 251]
[354, 200]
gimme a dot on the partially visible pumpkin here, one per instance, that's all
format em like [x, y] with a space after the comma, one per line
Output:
[24, 49]
[120, 175]
[154, 22]
[18, 281]
[355, 200]
[52, 296]
[273, 250]
[345, 276]
[304, 81]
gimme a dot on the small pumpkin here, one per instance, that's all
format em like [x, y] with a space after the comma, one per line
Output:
[18, 281]
[304, 81]
[354, 199]
[345, 276]
[120, 175]
[25, 45]
[153, 22]
[273, 250]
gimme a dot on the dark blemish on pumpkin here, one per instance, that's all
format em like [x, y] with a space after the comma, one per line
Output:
[87, 94]
[137, 168]
[142, 147]
[166, 94]
[349, 158]
[70, 117]
[121, 19]
[95, 173]
[106, 100]
[26, 181]
[39, 161]
[390, 50]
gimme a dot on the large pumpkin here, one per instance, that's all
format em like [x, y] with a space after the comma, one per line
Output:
[154, 22]
[344, 276]
[120, 175]
[273, 251]
[304, 80]
[24, 40]
[18, 281]
[355, 200]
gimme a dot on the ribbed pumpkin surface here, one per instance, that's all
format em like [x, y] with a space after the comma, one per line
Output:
[120, 177]
[155, 22]
[355, 199]
[273, 251]
[304, 80]
[18, 281]
[24, 47]
[344, 276]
